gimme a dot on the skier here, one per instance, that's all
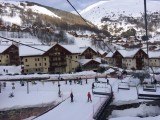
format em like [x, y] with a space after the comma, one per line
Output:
[89, 97]
[93, 86]
[86, 81]
[70, 81]
[106, 77]
[96, 79]
[71, 95]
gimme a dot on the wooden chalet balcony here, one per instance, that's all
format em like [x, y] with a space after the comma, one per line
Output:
[59, 65]
[58, 60]
[59, 55]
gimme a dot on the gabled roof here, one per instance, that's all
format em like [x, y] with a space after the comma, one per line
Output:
[28, 51]
[128, 53]
[110, 54]
[86, 61]
[72, 48]
[58, 45]
[153, 54]
[101, 52]
[83, 50]
[4, 47]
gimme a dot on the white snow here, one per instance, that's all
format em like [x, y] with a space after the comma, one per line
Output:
[28, 51]
[3, 48]
[114, 8]
[11, 69]
[12, 20]
[142, 110]
[42, 10]
[44, 93]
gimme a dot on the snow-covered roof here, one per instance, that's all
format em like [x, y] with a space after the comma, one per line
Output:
[72, 48]
[97, 59]
[82, 49]
[101, 52]
[3, 48]
[110, 54]
[154, 54]
[28, 51]
[85, 61]
[128, 53]
[110, 70]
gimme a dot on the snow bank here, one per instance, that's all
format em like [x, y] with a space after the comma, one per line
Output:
[142, 111]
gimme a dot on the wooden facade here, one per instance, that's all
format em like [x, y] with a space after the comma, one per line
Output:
[89, 53]
[13, 53]
[140, 56]
[118, 59]
[91, 65]
[57, 59]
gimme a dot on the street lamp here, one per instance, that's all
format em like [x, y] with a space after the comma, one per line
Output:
[110, 86]
[146, 27]
[59, 86]
[0, 87]
[59, 91]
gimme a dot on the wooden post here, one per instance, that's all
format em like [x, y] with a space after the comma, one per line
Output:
[27, 87]
[0, 87]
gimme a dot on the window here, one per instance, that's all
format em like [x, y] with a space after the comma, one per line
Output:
[45, 64]
[35, 59]
[44, 59]
[38, 59]
[56, 48]
[39, 64]
[0, 60]
[25, 60]
[35, 64]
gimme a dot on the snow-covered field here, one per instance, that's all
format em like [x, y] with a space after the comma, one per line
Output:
[44, 93]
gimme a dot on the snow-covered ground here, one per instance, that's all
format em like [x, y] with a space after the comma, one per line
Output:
[131, 114]
[44, 93]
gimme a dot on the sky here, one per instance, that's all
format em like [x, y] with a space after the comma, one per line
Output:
[63, 4]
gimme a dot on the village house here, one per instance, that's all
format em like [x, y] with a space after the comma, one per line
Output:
[88, 53]
[72, 59]
[33, 60]
[154, 59]
[9, 55]
[57, 59]
[52, 59]
[127, 59]
[101, 53]
[90, 64]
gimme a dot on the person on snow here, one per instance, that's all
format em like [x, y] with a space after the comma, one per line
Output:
[71, 95]
[89, 97]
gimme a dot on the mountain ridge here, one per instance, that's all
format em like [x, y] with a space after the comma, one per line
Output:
[122, 14]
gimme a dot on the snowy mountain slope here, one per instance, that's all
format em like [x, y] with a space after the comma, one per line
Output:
[115, 8]
[30, 13]
[34, 8]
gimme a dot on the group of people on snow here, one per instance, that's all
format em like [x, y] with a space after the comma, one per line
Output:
[88, 97]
